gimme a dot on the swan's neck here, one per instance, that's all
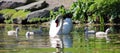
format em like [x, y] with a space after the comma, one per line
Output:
[107, 31]
[61, 23]
[17, 30]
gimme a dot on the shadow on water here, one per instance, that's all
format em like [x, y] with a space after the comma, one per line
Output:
[40, 43]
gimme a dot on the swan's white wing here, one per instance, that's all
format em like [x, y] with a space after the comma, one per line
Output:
[53, 29]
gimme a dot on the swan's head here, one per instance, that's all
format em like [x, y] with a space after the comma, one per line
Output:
[58, 19]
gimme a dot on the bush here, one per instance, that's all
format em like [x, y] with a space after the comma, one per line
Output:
[61, 10]
[95, 10]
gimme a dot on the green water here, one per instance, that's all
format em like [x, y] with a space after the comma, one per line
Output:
[40, 43]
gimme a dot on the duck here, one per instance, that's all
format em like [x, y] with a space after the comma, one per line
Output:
[59, 32]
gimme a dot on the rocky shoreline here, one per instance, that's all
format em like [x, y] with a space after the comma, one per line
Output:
[38, 8]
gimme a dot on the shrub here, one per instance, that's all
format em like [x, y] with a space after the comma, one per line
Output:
[91, 10]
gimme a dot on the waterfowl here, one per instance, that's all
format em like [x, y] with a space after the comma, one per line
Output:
[88, 32]
[103, 34]
[30, 34]
[13, 32]
[59, 32]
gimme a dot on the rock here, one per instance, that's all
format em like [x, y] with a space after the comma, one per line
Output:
[11, 3]
[43, 13]
[34, 6]
[38, 14]
[19, 1]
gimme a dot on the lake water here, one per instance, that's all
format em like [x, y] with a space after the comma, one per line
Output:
[41, 44]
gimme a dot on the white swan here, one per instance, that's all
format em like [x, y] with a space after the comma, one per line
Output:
[13, 32]
[59, 32]
[103, 34]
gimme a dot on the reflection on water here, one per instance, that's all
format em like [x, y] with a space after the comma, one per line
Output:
[42, 41]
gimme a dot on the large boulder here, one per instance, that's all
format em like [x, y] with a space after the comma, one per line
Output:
[38, 14]
[11, 3]
[34, 6]
[42, 13]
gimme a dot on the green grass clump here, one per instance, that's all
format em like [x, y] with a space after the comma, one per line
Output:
[10, 14]
[7, 13]
[21, 14]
